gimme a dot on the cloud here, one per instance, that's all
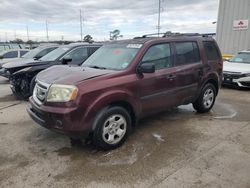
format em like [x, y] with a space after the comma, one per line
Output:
[101, 16]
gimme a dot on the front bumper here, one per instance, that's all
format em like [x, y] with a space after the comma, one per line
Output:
[239, 80]
[65, 120]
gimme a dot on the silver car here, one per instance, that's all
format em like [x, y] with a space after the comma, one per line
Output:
[237, 70]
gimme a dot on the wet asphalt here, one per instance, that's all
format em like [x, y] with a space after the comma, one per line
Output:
[176, 148]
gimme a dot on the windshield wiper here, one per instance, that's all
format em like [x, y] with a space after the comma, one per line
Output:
[97, 67]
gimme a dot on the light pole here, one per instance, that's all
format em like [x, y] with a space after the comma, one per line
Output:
[159, 18]
[81, 24]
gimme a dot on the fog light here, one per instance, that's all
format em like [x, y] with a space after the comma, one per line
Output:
[59, 124]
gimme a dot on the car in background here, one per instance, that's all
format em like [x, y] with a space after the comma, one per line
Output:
[23, 75]
[8, 55]
[124, 81]
[32, 55]
[8, 46]
[237, 70]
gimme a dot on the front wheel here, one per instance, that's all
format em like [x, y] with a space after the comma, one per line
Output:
[206, 99]
[112, 127]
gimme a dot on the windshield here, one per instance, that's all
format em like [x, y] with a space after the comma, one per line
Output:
[55, 54]
[116, 57]
[241, 58]
[31, 54]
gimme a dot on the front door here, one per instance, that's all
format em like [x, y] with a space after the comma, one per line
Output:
[156, 90]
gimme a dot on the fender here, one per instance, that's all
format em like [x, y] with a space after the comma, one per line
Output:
[106, 99]
[211, 76]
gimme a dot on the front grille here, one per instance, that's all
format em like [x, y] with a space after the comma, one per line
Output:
[40, 91]
[246, 84]
[233, 75]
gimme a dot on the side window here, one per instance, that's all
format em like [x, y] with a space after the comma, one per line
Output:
[160, 55]
[92, 50]
[22, 52]
[45, 52]
[11, 54]
[187, 53]
[77, 55]
[211, 51]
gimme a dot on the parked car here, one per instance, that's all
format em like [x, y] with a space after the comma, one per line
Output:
[23, 75]
[17, 63]
[237, 70]
[9, 55]
[8, 46]
[125, 81]
[226, 57]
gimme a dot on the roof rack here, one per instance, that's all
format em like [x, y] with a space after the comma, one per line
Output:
[170, 34]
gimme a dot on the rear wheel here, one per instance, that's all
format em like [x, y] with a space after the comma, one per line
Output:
[112, 127]
[206, 99]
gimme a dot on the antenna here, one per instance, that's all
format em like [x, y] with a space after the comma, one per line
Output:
[47, 30]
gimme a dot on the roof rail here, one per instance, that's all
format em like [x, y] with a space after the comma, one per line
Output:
[170, 34]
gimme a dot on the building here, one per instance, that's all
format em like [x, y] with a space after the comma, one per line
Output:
[233, 32]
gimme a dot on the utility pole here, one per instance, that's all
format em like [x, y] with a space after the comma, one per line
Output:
[47, 31]
[81, 23]
[6, 37]
[27, 28]
[159, 18]
[14, 34]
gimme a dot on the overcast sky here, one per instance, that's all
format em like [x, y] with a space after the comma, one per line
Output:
[131, 17]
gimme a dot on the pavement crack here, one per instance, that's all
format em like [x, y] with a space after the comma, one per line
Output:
[10, 105]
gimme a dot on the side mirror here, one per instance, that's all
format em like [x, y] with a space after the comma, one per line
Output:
[65, 60]
[146, 68]
[37, 57]
[1, 57]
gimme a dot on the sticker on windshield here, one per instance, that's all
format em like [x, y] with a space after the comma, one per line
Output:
[134, 45]
[124, 65]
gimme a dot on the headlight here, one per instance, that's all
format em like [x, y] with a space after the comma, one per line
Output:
[62, 93]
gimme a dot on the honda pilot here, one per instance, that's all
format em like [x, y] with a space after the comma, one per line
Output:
[125, 81]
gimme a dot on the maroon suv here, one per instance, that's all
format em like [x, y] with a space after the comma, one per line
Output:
[125, 81]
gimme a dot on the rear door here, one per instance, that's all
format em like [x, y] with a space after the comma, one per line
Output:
[157, 90]
[189, 70]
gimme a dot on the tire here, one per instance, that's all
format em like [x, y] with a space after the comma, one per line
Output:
[112, 127]
[206, 99]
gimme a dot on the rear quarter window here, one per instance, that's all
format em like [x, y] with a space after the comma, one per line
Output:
[211, 50]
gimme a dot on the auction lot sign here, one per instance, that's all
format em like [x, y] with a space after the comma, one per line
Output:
[240, 25]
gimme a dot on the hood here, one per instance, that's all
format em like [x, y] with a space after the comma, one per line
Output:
[65, 74]
[7, 60]
[22, 62]
[236, 67]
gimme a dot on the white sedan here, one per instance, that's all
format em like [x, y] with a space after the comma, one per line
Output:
[237, 70]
